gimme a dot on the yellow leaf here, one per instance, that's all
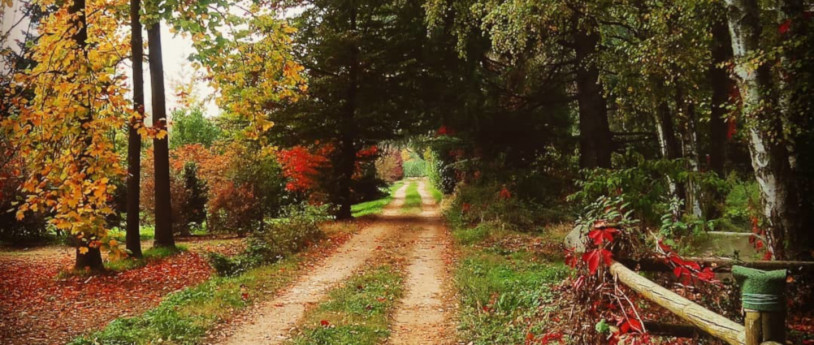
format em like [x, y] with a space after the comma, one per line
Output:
[83, 250]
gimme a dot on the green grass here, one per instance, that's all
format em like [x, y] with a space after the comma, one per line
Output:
[436, 194]
[375, 206]
[357, 312]
[183, 317]
[412, 200]
[504, 292]
[152, 254]
[147, 232]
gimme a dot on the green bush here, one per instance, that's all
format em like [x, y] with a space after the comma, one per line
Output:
[645, 186]
[277, 239]
[482, 203]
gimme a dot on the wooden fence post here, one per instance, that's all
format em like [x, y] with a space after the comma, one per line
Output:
[764, 302]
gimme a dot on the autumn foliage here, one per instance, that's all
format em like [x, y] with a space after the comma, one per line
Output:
[301, 166]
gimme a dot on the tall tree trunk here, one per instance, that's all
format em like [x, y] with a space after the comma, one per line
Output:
[798, 102]
[722, 85]
[665, 129]
[669, 146]
[347, 159]
[133, 238]
[594, 132]
[693, 190]
[92, 259]
[770, 157]
[163, 207]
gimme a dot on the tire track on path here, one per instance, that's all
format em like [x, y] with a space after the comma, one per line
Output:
[425, 314]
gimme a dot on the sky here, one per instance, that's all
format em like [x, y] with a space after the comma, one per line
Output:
[175, 50]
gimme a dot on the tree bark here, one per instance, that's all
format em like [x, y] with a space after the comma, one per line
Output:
[594, 131]
[668, 142]
[693, 190]
[770, 157]
[93, 258]
[347, 158]
[798, 100]
[163, 207]
[722, 85]
[133, 237]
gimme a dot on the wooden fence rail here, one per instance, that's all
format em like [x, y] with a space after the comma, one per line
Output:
[706, 320]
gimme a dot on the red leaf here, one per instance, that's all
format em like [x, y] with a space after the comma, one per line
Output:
[665, 247]
[784, 27]
[706, 274]
[594, 257]
[607, 256]
[601, 235]
[678, 271]
[324, 323]
[732, 127]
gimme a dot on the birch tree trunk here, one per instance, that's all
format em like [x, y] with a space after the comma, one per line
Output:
[690, 147]
[770, 157]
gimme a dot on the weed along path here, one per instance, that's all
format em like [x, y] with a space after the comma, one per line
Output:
[425, 313]
[273, 321]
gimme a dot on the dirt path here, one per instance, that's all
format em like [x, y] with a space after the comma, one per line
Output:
[272, 321]
[425, 313]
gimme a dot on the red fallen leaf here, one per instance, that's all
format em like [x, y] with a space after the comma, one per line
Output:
[244, 296]
[759, 245]
[545, 339]
[324, 323]
[379, 248]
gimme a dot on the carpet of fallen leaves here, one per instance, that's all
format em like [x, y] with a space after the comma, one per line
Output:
[38, 306]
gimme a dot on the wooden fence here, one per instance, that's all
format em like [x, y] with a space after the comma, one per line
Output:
[759, 328]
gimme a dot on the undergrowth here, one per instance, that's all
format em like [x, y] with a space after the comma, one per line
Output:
[504, 291]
